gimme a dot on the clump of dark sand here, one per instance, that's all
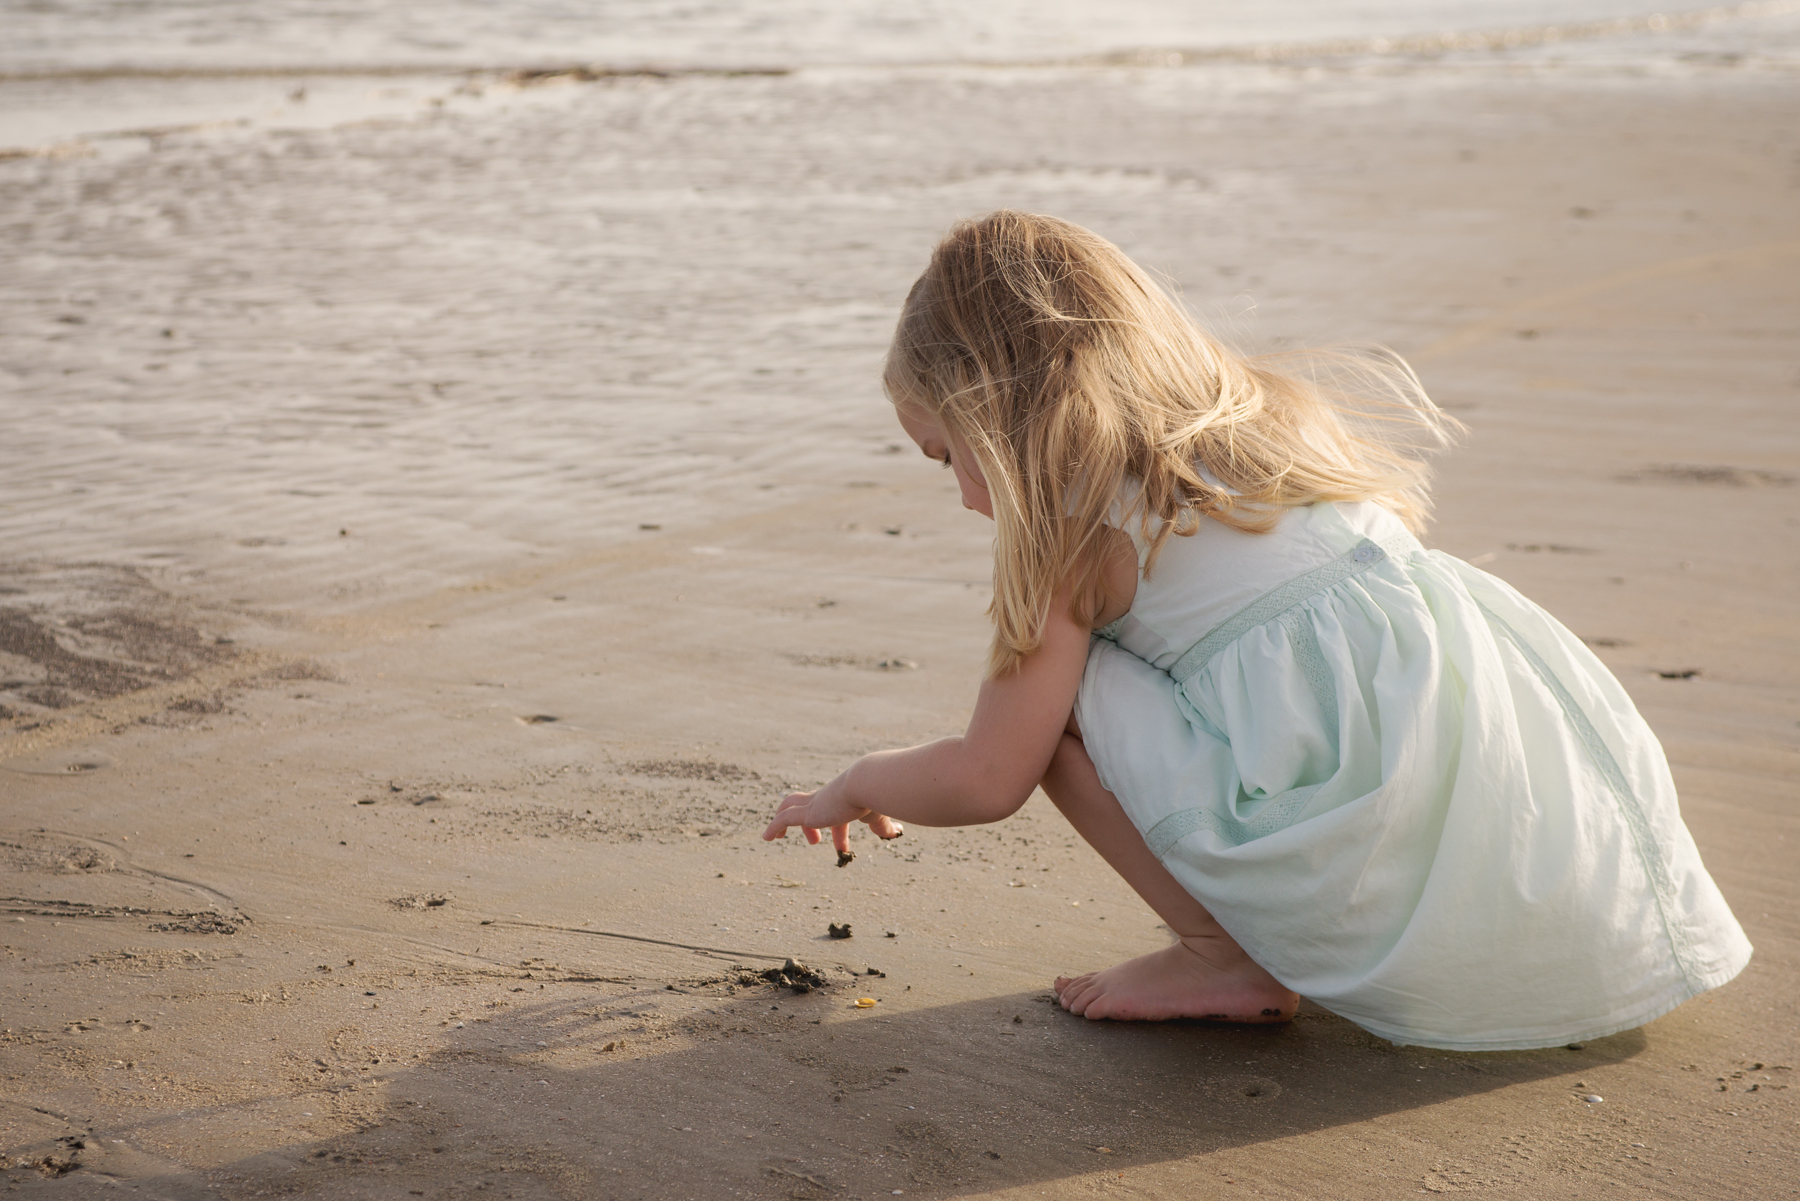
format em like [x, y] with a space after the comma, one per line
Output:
[198, 923]
[78, 632]
[422, 900]
[693, 769]
[792, 974]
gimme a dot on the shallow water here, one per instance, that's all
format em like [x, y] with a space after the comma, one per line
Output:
[73, 69]
[528, 322]
[64, 34]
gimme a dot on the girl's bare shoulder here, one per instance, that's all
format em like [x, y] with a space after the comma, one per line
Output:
[1118, 575]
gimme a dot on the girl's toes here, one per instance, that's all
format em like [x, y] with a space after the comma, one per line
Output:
[1095, 1001]
[1080, 993]
[1097, 1007]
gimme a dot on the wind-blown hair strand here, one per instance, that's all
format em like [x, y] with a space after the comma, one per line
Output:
[1078, 384]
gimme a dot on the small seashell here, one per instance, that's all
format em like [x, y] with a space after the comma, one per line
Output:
[1593, 1098]
[865, 1002]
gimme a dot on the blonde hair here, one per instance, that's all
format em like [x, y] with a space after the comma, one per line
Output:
[1068, 372]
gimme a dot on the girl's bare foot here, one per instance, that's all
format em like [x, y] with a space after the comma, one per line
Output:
[1197, 977]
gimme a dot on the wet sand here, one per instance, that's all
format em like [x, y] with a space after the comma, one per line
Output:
[432, 546]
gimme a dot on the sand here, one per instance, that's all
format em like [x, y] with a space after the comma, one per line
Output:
[432, 546]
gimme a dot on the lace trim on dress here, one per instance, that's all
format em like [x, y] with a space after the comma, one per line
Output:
[1311, 660]
[1278, 813]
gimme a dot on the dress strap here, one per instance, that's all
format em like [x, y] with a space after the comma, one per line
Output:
[1272, 604]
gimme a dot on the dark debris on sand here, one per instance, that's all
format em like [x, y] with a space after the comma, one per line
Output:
[693, 769]
[198, 923]
[792, 974]
[422, 900]
[78, 632]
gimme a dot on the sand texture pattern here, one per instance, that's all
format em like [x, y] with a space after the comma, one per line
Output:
[429, 548]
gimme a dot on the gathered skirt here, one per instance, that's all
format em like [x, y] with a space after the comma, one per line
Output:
[1419, 801]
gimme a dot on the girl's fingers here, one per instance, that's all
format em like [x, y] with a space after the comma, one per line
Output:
[884, 827]
[787, 816]
[793, 812]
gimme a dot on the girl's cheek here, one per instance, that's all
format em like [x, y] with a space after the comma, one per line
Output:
[975, 498]
[973, 488]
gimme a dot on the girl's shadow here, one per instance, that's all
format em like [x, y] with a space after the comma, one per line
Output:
[766, 1093]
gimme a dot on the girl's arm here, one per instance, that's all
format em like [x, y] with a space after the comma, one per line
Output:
[983, 776]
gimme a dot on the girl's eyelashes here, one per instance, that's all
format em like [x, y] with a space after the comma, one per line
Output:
[945, 461]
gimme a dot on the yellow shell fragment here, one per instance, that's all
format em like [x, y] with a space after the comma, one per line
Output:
[865, 1002]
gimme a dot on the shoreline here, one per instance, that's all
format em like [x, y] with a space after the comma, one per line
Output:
[1409, 44]
[451, 81]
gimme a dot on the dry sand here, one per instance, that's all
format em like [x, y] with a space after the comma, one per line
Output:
[421, 858]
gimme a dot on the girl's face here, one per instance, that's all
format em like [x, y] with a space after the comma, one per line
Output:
[941, 444]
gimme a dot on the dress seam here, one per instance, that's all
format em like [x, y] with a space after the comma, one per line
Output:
[1662, 888]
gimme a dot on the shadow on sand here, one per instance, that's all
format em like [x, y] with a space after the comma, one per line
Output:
[741, 1094]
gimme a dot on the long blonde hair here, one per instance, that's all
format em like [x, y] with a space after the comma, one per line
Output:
[1067, 371]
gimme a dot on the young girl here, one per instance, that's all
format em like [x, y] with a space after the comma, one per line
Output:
[1337, 764]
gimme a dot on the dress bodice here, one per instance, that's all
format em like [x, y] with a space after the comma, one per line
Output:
[1201, 580]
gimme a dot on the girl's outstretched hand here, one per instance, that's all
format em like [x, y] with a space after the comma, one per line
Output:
[825, 809]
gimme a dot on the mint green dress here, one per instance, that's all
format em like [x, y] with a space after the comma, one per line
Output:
[1407, 791]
